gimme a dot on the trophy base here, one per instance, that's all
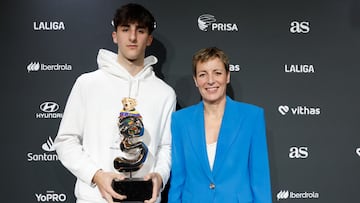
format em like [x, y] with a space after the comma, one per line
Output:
[136, 189]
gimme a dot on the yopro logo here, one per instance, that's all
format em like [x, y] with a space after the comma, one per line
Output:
[208, 21]
[299, 110]
[50, 196]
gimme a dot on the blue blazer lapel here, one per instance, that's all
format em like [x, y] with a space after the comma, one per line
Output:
[228, 132]
[197, 137]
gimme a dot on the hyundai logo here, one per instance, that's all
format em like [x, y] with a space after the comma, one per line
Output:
[49, 107]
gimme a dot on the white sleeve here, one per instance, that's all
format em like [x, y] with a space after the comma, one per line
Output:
[163, 158]
[68, 142]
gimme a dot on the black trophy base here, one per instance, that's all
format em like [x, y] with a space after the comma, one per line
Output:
[135, 189]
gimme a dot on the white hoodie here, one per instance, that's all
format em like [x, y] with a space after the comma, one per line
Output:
[88, 137]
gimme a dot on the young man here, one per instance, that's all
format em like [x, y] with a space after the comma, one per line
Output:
[89, 137]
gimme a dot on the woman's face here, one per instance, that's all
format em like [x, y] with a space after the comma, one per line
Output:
[211, 79]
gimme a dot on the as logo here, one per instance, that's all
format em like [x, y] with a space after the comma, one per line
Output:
[234, 68]
[299, 27]
[298, 153]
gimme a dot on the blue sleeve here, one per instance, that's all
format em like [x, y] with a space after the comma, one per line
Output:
[259, 163]
[177, 169]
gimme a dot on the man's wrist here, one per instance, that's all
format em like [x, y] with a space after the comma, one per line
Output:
[93, 181]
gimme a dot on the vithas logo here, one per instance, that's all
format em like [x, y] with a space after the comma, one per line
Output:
[283, 109]
[298, 110]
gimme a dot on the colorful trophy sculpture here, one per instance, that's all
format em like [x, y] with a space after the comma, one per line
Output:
[131, 128]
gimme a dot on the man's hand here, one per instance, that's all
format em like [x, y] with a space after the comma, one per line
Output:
[157, 184]
[103, 181]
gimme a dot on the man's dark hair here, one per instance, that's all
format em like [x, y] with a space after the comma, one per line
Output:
[134, 13]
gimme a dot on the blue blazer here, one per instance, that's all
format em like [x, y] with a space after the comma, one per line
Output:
[241, 169]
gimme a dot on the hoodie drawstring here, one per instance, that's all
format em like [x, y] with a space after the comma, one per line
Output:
[133, 88]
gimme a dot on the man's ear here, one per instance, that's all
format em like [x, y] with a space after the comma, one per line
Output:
[195, 81]
[113, 34]
[149, 40]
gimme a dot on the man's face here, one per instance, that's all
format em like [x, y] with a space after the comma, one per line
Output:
[132, 41]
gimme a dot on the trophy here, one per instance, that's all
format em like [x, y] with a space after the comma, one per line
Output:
[131, 128]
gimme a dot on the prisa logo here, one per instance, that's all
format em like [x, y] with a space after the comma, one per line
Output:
[206, 21]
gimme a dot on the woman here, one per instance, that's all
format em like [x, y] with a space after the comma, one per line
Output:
[219, 150]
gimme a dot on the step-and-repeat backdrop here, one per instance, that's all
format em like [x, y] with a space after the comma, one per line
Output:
[299, 60]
